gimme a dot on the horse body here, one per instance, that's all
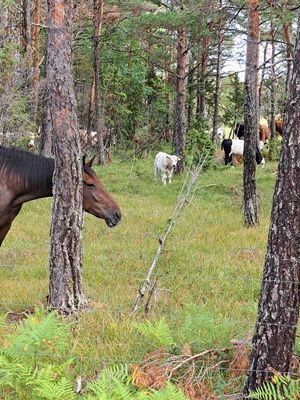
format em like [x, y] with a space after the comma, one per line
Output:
[25, 176]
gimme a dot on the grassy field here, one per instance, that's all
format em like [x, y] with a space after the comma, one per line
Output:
[211, 266]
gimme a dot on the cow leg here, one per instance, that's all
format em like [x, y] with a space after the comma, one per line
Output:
[170, 176]
[7, 221]
[164, 178]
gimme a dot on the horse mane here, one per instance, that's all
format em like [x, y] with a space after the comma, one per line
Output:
[33, 171]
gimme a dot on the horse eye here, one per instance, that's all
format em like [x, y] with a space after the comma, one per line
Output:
[90, 185]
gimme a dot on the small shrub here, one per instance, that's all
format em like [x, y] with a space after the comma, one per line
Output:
[274, 147]
[199, 146]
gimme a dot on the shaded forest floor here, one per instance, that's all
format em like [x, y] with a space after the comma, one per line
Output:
[210, 270]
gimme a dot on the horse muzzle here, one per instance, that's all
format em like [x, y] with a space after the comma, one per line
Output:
[114, 219]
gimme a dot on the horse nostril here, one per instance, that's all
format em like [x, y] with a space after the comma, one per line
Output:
[118, 215]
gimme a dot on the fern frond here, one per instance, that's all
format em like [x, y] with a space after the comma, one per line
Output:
[113, 384]
[158, 332]
[280, 388]
[171, 392]
[45, 335]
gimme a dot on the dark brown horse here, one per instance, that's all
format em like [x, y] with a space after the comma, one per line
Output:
[25, 176]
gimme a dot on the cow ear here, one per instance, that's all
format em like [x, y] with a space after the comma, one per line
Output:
[90, 162]
[168, 157]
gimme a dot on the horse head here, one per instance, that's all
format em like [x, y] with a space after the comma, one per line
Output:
[96, 200]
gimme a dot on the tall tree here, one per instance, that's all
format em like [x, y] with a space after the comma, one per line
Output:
[46, 133]
[202, 77]
[95, 106]
[278, 309]
[217, 93]
[65, 288]
[35, 57]
[251, 119]
[273, 83]
[179, 128]
[287, 36]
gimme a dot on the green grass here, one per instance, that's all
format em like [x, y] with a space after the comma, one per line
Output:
[210, 260]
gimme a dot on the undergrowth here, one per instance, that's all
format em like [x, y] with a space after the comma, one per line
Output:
[208, 276]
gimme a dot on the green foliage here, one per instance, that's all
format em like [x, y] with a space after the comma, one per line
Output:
[158, 332]
[274, 148]
[14, 97]
[25, 370]
[171, 392]
[281, 387]
[24, 363]
[232, 101]
[199, 145]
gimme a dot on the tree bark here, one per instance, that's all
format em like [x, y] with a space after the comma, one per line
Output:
[46, 132]
[217, 94]
[179, 128]
[65, 287]
[202, 77]
[35, 58]
[289, 49]
[278, 309]
[190, 101]
[251, 114]
[100, 125]
[273, 84]
[27, 25]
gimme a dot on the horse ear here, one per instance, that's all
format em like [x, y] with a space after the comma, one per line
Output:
[90, 162]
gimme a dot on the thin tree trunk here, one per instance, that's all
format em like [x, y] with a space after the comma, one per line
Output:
[27, 43]
[217, 94]
[289, 49]
[46, 132]
[273, 85]
[65, 287]
[95, 112]
[35, 58]
[251, 114]
[202, 73]
[190, 105]
[278, 309]
[27, 25]
[263, 73]
[179, 129]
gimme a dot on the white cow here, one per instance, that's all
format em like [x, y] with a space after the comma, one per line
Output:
[236, 146]
[165, 163]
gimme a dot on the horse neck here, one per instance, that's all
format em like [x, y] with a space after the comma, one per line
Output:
[27, 192]
[33, 195]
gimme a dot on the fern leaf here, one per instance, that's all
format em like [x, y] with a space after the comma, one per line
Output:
[158, 332]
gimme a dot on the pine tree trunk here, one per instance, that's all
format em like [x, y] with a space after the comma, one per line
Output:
[100, 125]
[263, 74]
[27, 25]
[217, 93]
[65, 288]
[273, 84]
[202, 78]
[35, 58]
[251, 114]
[179, 128]
[289, 49]
[46, 133]
[190, 101]
[27, 43]
[278, 309]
